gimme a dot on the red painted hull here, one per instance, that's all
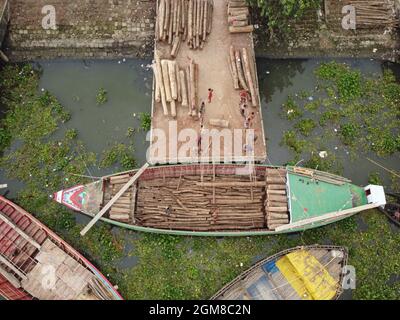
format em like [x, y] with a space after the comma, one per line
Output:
[39, 232]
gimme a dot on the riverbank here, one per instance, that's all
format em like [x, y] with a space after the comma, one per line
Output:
[114, 29]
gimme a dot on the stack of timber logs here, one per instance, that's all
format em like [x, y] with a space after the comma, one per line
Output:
[184, 20]
[123, 209]
[375, 13]
[276, 201]
[175, 85]
[238, 17]
[243, 72]
[192, 202]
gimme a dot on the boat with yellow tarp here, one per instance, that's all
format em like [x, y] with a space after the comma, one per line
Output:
[301, 273]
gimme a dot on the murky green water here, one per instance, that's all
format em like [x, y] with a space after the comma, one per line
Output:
[281, 78]
[129, 84]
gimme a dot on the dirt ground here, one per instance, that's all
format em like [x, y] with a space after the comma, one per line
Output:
[214, 73]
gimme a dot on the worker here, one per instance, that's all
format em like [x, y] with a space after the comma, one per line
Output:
[210, 95]
[244, 96]
[243, 108]
[201, 111]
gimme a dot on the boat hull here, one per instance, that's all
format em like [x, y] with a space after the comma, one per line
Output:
[90, 198]
[7, 289]
[273, 279]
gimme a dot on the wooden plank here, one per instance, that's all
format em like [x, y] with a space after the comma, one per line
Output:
[10, 278]
[336, 214]
[19, 231]
[9, 265]
[114, 199]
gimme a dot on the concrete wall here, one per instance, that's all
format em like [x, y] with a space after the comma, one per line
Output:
[115, 28]
[85, 28]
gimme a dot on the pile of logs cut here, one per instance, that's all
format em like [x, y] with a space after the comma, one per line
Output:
[209, 203]
[375, 13]
[238, 17]
[184, 20]
[123, 209]
[276, 201]
[243, 72]
[174, 85]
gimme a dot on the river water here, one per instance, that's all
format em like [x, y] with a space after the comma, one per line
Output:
[129, 85]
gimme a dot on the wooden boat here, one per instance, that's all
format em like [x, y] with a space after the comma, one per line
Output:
[37, 264]
[392, 209]
[221, 199]
[301, 273]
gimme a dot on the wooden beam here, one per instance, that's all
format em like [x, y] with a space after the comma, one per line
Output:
[10, 278]
[9, 265]
[114, 199]
[336, 214]
[19, 231]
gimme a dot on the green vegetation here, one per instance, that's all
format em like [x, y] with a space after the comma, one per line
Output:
[119, 154]
[171, 267]
[101, 97]
[281, 14]
[306, 126]
[145, 120]
[291, 110]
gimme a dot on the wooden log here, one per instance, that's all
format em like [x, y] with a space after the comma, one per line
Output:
[282, 192]
[196, 88]
[159, 79]
[239, 23]
[233, 68]
[175, 16]
[167, 15]
[198, 19]
[276, 180]
[171, 24]
[236, 4]
[173, 108]
[160, 19]
[157, 93]
[175, 46]
[240, 17]
[193, 103]
[232, 184]
[273, 215]
[238, 11]
[166, 80]
[277, 198]
[240, 71]
[201, 19]
[219, 123]
[205, 19]
[190, 21]
[124, 177]
[246, 29]
[178, 82]
[249, 77]
[183, 88]
[276, 186]
[115, 198]
[277, 209]
[189, 90]
[210, 16]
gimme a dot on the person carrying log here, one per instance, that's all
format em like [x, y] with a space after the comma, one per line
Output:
[243, 109]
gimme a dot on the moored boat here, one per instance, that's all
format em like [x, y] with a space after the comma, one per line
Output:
[37, 264]
[301, 273]
[221, 199]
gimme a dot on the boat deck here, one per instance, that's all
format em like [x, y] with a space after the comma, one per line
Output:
[275, 279]
[214, 73]
[35, 264]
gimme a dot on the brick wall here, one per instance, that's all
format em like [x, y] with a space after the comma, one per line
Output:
[85, 28]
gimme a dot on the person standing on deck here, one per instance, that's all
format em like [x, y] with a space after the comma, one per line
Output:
[243, 108]
[201, 111]
[210, 94]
